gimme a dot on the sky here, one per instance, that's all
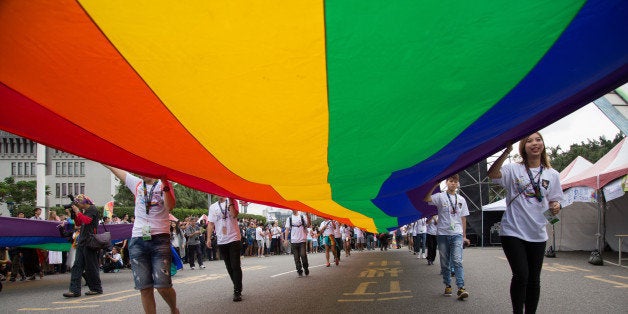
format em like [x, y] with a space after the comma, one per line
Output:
[585, 123]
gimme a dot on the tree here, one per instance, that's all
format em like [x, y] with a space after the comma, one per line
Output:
[189, 198]
[18, 194]
[592, 151]
[124, 197]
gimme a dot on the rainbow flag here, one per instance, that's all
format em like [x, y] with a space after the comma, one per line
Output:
[351, 110]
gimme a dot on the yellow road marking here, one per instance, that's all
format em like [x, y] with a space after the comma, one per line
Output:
[58, 308]
[395, 288]
[562, 268]
[618, 284]
[100, 296]
[622, 277]
[394, 298]
[361, 289]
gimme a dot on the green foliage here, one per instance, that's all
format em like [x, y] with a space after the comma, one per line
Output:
[20, 195]
[124, 196]
[189, 198]
[592, 151]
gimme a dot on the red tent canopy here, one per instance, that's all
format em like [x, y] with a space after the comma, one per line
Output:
[610, 167]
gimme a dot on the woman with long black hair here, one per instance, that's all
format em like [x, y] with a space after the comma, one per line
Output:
[532, 189]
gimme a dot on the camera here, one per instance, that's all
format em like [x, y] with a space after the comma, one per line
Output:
[68, 206]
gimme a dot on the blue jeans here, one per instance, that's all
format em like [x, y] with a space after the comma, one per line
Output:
[150, 261]
[450, 250]
[419, 242]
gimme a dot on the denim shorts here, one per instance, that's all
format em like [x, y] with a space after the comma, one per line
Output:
[150, 261]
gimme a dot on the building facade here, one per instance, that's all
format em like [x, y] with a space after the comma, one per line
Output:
[65, 173]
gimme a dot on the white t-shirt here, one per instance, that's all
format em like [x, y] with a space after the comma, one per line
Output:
[420, 226]
[524, 217]
[276, 232]
[432, 227]
[358, 233]
[450, 221]
[259, 233]
[329, 229]
[226, 227]
[157, 217]
[337, 231]
[298, 231]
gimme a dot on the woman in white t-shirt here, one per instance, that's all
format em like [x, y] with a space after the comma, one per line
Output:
[532, 188]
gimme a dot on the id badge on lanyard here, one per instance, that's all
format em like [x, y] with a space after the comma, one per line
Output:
[146, 233]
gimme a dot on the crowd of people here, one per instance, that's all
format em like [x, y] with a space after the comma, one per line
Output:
[532, 188]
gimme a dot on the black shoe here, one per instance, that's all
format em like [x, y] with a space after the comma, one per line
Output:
[307, 272]
[237, 297]
[31, 277]
[90, 292]
[300, 273]
[71, 295]
[12, 279]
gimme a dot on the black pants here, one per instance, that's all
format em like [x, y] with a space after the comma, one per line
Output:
[274, 245]
[85, 260]
[300, 257]
[431, 247]
[525, 259]
[195, 250]
[230, 253]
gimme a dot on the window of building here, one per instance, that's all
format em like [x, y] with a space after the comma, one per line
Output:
[18, 143]
[64, 189]
[64, 168]
[76, 189]
[82, 188]
[58, 190]
[58, 169]
[19, 169]
[33, 169]
[70, 168]
[12, 145]
[82, 169]
[14, 169]
[27, 169]
[76, 168]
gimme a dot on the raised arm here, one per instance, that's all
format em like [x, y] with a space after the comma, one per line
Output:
[169, 200]
[495, 171]
[121, 174]
[428, 196]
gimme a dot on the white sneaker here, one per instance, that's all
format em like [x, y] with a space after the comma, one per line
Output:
[203, 266]
[191, 268]
[418, 256]
[422, 255]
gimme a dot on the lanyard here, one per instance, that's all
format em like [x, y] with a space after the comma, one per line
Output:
[453, 206]
[536, 185]
[149, 197]
[224, 211]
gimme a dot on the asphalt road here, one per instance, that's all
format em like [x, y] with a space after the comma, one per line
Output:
[393, 281]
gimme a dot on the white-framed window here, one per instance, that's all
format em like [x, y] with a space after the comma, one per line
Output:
[58, 190]
[82, 188]
[58, 169]
[64, 168]
[82, 169]
[64, 189]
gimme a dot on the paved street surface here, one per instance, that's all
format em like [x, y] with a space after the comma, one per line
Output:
[393, 281]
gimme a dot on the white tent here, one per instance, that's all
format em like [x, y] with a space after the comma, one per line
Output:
[495, 206]
[611, 215]
[578, 219]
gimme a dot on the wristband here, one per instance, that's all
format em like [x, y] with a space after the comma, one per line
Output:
[166, 189]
